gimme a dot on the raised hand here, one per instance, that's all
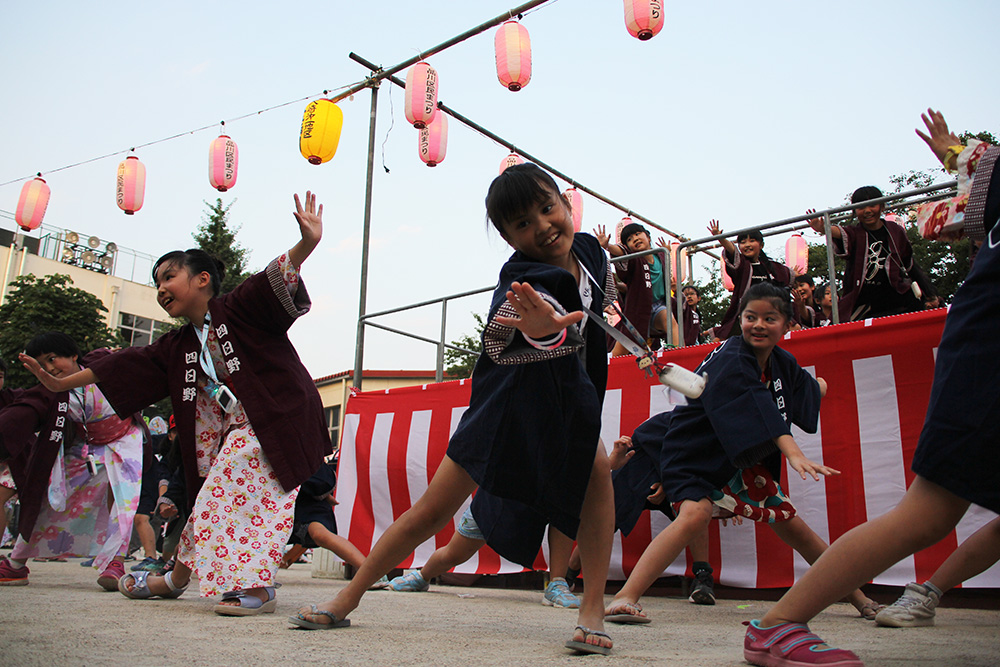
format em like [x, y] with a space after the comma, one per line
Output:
[310, 219]
[713, 228]
[602, 237]
[939, 138]
[536, 316]
[48, 381]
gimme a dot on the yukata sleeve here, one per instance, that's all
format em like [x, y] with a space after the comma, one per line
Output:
[946, 220]
[842, 246]
[135, 377]
[742, 412]
[506, 345]
[273, 298]
[806, 400]
[21, 419]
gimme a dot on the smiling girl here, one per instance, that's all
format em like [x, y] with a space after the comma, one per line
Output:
[249, 418]
[80, 484]
[530, 438]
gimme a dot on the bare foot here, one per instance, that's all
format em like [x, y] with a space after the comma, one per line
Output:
[593, 637]
[331, 606]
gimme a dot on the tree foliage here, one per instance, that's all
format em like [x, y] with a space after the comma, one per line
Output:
[459, 365]
[215, 237]
[36, 305]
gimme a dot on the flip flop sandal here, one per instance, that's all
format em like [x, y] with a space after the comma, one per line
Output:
[584, 647]
[140, 589]
[633, 615]
[250, 605]
[300, 620]
[870, 610]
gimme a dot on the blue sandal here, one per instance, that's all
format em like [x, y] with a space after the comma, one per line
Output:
[300, 620]
[249, 605]
[140, 590]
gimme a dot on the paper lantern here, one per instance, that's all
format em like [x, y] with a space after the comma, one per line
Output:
[513, 50]
[677, 267]
[575, 200]
[727, 282]
[131, 184]
[797, 253]
[32, 204]
[223, 160]
[510, 161]
[643, 18]
[421, 95]
[433, 141]
[320, 133]
[618, 229]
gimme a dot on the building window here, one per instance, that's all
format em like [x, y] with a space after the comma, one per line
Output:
[138, 331]
[333, 424]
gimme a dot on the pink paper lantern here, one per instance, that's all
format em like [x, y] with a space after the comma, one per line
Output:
[727, 282]
[575, 200]
[131, 184]
[433, 141]
[618, 229]
[643, 18]
[797, 253]
[32, 204]
[421, 95]
[513, 51]
[510, 161]
[223, 161]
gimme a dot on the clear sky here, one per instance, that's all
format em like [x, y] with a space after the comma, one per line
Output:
[745, 112]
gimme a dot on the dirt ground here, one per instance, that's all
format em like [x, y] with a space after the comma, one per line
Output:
[63, 618]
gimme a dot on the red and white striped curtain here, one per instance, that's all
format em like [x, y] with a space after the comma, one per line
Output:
[879, 373]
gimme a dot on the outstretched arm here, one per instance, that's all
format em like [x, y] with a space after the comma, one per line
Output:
[819, 225]
[600, 233]
[81, 378]
[798, 460]
[310, 221]
[536, 317]
[714, 229]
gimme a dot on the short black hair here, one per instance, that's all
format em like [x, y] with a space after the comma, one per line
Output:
[779, 297]
[804, 278]
[515, 190]
[866, 192]
[55, 342]
[691, 287]
[753, 234]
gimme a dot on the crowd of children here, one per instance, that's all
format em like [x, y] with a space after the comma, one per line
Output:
[241, 471]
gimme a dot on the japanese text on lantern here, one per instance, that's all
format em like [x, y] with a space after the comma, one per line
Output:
[430, 91]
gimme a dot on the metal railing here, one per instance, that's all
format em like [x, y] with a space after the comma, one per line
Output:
[902, 200]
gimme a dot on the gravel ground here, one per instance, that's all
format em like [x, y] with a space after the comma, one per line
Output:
[63, 618]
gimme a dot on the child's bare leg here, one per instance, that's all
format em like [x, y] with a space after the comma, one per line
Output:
[691, 521]
[797, 534]
[594, 537]
[458, 550]
[147, 537]
[5, 495]
[925, 515]
[560, 549]
[180, 576]
[291, 556]
[346, 551]
[698, 546]
[972, 557]
[448, 489]
[665, 319]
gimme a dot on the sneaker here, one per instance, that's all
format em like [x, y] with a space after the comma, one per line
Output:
[411, 582]
[148, 564]
[792, 645]
[557, 595]
[167, 567]
[13, 576]
[703, 591]
[87, 563]
[915, 608]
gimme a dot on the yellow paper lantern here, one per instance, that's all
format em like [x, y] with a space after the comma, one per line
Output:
[320, 133]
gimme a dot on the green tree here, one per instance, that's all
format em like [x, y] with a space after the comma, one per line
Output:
[36, 305]
[459, 365]
[215, 237]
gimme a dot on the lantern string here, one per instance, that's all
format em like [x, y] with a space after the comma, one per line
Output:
[392, 124]
[178, 135]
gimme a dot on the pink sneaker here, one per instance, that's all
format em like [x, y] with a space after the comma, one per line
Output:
[791, 645]
[12, 576]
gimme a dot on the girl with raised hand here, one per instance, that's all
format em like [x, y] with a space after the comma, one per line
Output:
[249, 418]
[530, 440]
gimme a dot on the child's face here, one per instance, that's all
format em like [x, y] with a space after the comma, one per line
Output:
[639, 242]
[750, 248]
[691, 297]
[544, 232]
[805, 290]
[56, 365]
[763, 325]
[178, 291]
[827, 300]
[869, 216]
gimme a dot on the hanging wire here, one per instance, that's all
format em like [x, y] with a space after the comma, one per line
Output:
[178, 135]
[392, 123]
